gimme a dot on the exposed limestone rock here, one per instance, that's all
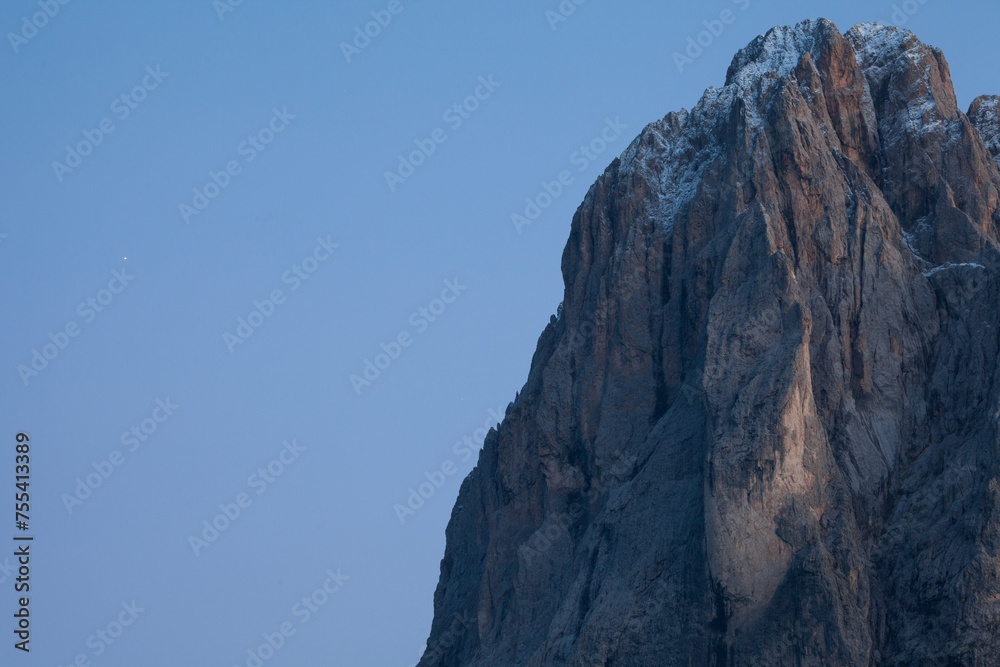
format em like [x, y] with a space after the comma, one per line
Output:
[985, 116]
[764, 428]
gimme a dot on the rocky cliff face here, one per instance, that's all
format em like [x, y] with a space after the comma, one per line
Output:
[763, 429]
[985, 116]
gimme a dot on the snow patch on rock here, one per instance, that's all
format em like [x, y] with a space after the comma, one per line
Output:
[985, 116]
[946, 266]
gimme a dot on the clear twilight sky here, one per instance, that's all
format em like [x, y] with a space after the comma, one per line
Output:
[237, 155]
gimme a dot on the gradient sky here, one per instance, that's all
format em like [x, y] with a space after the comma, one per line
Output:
[161, 337]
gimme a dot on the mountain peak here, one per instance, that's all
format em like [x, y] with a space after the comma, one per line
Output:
[763, 430]
[875, 38]
[985, 115]
[780, 49]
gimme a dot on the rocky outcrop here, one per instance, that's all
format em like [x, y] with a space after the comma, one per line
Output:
[985, 116]
[763, 428]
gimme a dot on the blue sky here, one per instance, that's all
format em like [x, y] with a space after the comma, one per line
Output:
[238, 159]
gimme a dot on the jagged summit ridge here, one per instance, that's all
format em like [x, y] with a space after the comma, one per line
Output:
[985, 115]
[764, 430]
[778, 52]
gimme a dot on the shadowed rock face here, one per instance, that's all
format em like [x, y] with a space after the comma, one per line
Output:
[763, 429]
[985, 116]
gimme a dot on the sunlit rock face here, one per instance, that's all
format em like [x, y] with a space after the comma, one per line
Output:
[763, 429]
